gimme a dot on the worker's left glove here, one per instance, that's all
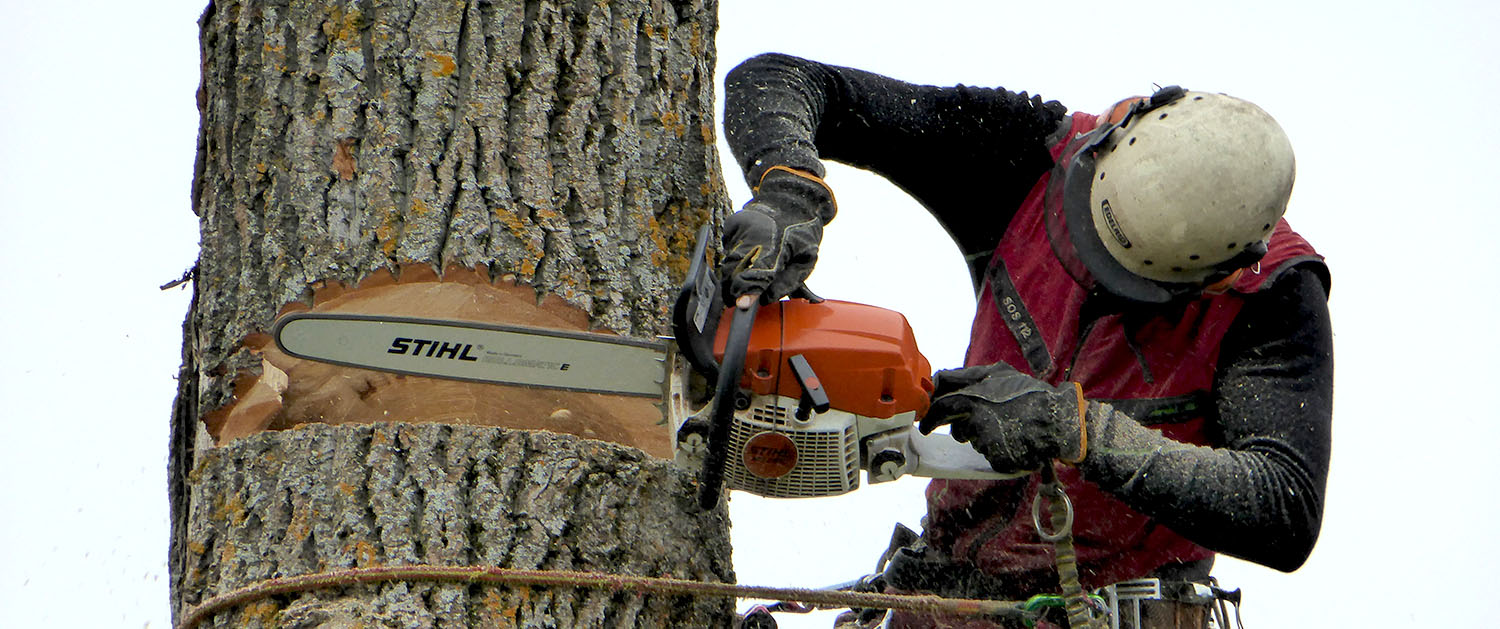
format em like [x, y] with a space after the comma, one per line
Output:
[1016, 421]
[771, 245]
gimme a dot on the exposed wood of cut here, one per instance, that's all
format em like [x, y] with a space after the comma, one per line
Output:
[289, 391]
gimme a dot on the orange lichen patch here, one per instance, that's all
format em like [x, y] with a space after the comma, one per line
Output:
[442, 65]
[343, 25]
[419, 207]
[230, 509]
[496, 613]
[512, 222]
[290, 392]
[658, 238]
[226, 552]
[300, 527]
[521, 229]
[695, 40]
[674, 236]
[386, 232]
[364, 554]
[673, 123]
[262, 613]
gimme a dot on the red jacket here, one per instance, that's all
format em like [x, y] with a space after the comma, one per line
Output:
[1159, 369]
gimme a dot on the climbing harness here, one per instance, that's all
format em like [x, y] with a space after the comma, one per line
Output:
[907, 564]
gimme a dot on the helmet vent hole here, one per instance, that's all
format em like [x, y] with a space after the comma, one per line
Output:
[1162, 117]
[1266, 226]
[1176, 269]
[1197, 98]
[1193, 257]
[1101, 176]
[1132, 141]
[1231, 245]
[1148, 262]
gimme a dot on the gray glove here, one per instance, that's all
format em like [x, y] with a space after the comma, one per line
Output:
[1016, 421]
[771, 245]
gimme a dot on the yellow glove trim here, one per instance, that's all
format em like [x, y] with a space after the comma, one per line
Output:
[800, 173]
[1083, 431]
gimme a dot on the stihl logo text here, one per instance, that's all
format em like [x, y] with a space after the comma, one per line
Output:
[432, 349]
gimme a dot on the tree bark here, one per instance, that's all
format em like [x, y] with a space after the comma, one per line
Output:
[567, 147]
[322, 497]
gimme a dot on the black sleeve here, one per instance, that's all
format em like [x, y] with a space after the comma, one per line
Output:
[969, 155]
[1259, 495]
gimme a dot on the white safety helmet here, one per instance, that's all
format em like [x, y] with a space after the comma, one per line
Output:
[1183, 190]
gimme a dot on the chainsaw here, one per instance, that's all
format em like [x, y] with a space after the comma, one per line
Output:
[788, 400]
[807, 393]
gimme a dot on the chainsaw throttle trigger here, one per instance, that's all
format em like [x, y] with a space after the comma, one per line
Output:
[814, 396]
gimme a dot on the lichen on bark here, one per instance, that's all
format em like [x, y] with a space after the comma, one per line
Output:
[322, 498]
[565, 144]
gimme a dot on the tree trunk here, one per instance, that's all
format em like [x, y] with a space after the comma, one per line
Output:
[351, 150]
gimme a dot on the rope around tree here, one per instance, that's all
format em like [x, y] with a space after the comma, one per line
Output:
[595, 580]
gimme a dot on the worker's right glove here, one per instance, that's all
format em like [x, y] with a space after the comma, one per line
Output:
[771, 245]
[1016, 421]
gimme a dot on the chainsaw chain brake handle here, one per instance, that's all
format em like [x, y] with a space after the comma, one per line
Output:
[696, 313]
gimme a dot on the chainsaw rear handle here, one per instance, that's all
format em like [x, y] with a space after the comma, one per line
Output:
[726, 390]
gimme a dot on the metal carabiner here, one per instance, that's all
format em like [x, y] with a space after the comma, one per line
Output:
[1036, 513]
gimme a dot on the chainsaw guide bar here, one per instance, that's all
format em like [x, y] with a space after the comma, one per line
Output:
[479, 352]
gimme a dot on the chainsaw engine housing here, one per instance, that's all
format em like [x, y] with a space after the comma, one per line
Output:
[864, 358]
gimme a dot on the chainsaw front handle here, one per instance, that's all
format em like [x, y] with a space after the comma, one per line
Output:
[726, 392]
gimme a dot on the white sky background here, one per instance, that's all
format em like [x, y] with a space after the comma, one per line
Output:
[1391, 108]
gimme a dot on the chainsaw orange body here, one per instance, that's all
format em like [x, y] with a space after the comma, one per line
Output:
[865, 357]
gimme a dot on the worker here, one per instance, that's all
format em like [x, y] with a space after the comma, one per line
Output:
[1147, 322]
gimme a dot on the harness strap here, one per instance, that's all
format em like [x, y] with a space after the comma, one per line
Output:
[1075, 600]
